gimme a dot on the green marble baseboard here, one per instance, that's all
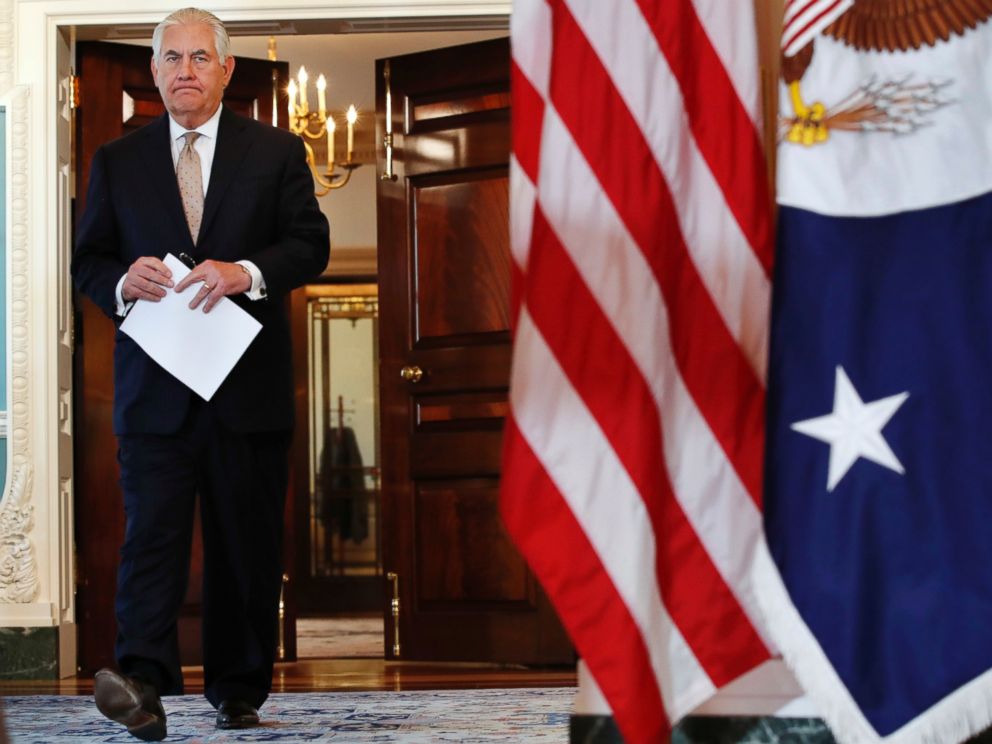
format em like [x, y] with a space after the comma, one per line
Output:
[751, 730]
[712, 730]
[723, 730]
[29, 653]
[593, 730]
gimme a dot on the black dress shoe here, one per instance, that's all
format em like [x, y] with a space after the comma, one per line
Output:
[236, 714]
[130, 702]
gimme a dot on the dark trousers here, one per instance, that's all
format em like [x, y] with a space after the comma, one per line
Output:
[241, 480]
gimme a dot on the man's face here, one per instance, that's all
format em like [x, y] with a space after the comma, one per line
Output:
[189, 75]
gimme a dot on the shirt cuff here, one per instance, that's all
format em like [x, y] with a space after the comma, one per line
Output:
[121, 307]
[257, 289]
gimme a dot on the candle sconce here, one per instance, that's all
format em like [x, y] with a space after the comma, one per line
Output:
[320, 125]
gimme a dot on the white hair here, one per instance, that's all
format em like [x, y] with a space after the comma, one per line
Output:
[189, 17]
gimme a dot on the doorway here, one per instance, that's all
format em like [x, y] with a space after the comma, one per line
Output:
[335, 561]
[340, 588]
[337, 523]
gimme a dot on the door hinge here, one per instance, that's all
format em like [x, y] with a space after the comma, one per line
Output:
[75, 91]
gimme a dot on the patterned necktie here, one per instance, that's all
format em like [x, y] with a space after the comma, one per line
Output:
[190, 178]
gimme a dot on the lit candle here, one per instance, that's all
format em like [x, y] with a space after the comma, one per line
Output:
[292, 102]
[331, 126]
[321, 102]
[352, 118]
[302, 76]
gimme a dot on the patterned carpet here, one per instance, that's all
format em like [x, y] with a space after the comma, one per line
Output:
[538, 715]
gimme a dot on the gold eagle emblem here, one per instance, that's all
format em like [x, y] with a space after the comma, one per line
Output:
[879, 26]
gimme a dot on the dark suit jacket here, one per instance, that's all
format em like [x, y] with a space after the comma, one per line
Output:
[259, 206]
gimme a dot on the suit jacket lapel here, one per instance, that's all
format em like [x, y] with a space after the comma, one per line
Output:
[232, 147]
[162, 173]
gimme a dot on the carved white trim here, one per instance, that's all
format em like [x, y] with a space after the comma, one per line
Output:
[127, 108]
[18, 267]
[18, 569]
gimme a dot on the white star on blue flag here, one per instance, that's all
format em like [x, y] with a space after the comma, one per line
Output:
[854, 429]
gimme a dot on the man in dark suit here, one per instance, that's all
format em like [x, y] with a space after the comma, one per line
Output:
[236, 197]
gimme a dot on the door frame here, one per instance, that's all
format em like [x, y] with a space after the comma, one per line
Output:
[35, 92]
[340, 594]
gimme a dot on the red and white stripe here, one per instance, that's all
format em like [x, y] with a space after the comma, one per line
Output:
[641, 237]
[805, 19]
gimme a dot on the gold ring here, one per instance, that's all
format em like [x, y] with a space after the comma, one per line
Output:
[207, 287]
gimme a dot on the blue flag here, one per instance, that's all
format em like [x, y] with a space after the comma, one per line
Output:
[878, 508]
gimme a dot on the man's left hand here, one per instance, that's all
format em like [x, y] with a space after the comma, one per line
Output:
[216, 279]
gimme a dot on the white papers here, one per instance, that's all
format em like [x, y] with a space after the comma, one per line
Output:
[199, 349]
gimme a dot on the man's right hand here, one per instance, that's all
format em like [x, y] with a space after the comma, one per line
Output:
[146, 279]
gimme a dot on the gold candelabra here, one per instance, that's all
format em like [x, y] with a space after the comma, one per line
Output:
[318, 125]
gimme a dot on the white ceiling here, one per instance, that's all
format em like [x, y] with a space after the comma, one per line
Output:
[348, 60]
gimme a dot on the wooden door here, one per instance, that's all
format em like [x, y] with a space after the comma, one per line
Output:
[118, 95]
[464, 591]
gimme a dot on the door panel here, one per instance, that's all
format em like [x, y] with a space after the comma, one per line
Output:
[452, 518]
[447, 216]
[118, 95]
[444, 277]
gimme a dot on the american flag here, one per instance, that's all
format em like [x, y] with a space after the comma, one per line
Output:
[805, 19]
[642, 244]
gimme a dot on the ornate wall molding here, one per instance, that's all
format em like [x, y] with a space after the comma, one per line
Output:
[18, 566]
[18, 570]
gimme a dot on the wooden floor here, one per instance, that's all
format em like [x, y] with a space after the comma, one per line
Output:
[314, 675]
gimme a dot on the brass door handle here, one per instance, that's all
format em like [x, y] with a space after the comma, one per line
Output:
[394, 608]
[281, 649]
[412, 373]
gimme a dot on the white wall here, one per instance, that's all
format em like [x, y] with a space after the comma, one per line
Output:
[348, 63]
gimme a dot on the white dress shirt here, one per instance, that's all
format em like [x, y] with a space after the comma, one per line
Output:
[205, 146]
